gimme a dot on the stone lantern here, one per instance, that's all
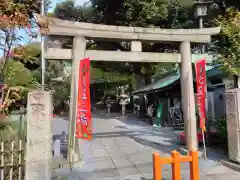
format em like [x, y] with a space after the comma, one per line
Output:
[123, 100]
[200, 12]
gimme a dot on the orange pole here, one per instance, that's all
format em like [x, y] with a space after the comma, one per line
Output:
[194, 169]
[176, 160]
[157, 170]
[176, 175]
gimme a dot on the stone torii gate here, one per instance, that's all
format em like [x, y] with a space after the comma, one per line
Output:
[136, 35]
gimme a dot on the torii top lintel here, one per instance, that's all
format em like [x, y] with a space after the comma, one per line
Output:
[71, 28]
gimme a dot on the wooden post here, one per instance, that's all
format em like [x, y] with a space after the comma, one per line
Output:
[176, 175]
[157, 171]
[20, 159]
[11, 161]
[194, 169]
[2, 160]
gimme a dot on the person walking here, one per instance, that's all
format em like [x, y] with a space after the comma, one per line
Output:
[158, 119]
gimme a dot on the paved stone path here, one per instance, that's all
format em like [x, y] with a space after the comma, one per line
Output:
[122, 150]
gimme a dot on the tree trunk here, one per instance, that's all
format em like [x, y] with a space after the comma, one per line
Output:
[137, 84]
[148, 79]
[139, 81]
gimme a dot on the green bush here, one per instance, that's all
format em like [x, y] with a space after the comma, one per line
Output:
[221, 127]
[15, 74]
[19, 80]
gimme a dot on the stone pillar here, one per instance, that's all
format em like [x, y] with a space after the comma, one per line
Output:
[57, 148]
[109, 108]
[79, 46]
[124, 110]
[136, 46]
[39, 136]
[233, 123]
[138, 81]
[188, 102]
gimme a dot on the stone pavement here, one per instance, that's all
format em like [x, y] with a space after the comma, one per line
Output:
[122, 150]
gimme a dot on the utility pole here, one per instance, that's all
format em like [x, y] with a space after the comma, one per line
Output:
[43, 65]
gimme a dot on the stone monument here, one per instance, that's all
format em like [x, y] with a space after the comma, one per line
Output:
[233, 123]
[39, 136]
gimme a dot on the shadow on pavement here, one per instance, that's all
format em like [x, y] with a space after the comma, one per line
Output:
[141, 132]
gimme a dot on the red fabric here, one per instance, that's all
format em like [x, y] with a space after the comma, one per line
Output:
[182, 137]
[83, 122]
[201, 91]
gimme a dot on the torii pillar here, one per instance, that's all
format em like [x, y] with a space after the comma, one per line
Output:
[187, 93]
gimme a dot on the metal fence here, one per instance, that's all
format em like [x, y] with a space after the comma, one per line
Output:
[12, 160]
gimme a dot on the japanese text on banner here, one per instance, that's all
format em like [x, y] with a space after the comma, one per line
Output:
[83, 123]
[201, 91]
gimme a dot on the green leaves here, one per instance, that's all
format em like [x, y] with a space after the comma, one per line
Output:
[229, 56]
[18, 80]
[144, 13]
[29, 53]
[15, 74]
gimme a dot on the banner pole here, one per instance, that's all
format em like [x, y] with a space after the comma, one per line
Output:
[204, 145]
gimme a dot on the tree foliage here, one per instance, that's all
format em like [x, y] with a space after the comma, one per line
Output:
[228, 46]
[19, 80]
[15, 15]
[141, 13]
[17, 75]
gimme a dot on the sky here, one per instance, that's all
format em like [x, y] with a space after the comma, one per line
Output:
[54, 2]
[53, 5]
[23, 33]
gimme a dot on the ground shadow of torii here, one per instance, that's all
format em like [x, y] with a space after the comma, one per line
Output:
[169, 136]
[167, 143]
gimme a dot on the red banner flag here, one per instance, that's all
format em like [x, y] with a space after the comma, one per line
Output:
[201, 91]
[83, 122]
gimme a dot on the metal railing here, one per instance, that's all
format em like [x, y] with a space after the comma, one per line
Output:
[176, 116]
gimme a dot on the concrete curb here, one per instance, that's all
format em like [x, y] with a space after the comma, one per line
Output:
[67, 168]
[230, 164]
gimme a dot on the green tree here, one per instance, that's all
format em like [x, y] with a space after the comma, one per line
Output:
[18, 81]
[14, 15]
[30, 54]
[228, 47]
[16, 74]
[130, 13]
